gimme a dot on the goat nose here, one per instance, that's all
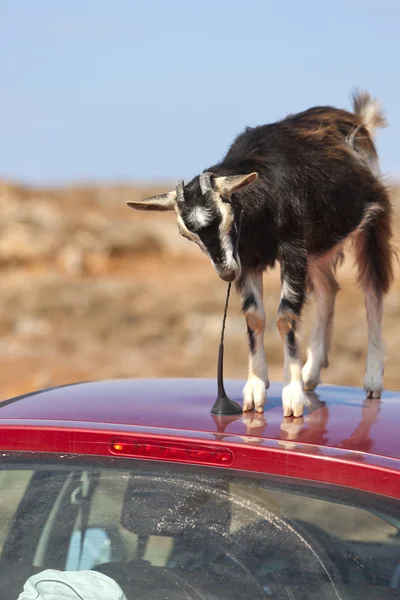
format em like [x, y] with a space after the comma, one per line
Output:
[228, 276]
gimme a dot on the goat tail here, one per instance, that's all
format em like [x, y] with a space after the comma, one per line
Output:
[369, 111]
[373, 248]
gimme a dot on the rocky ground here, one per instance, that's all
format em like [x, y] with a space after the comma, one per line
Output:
[91, 289]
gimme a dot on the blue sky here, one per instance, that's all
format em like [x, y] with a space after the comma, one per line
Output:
[104, 90]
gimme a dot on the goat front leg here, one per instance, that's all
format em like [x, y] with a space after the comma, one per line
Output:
[251, 292]
[293, 274]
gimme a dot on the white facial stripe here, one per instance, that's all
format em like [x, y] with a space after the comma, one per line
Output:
[227, 247]
[200, 216]
[225, 211]
[224, 229]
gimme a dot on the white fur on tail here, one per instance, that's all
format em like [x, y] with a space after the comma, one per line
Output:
[370, 111]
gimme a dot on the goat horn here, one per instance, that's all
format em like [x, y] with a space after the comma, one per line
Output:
[205, 183]
[180, 196]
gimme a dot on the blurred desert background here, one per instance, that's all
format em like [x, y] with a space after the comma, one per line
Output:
[91, 289]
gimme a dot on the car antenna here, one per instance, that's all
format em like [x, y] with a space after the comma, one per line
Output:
[224, 405]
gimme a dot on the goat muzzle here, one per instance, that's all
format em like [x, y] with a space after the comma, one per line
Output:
[228, 277]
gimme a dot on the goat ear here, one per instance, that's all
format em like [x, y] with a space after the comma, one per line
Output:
[160, 202]
[233, 183]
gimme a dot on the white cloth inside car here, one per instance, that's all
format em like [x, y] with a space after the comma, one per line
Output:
[71, 585]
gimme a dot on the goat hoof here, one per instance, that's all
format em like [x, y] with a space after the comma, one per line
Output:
[311, 384]
[310, 377]
[294, 399]
[254, 395]
[373, 393]
[373, 383]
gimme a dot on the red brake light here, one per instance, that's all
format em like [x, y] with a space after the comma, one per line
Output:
[172, 451]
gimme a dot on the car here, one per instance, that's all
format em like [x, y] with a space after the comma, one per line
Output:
[136, 484]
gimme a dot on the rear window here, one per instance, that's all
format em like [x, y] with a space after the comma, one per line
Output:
[157, 532]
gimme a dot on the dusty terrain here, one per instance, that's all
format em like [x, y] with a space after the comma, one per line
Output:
[91, 289]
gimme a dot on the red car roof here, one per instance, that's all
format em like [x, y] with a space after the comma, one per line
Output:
[339, 418]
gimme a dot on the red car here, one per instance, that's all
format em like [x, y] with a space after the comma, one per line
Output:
[135, 483]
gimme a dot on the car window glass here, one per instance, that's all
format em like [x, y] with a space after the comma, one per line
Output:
[12, 488]
[341, 520]
[148, 528]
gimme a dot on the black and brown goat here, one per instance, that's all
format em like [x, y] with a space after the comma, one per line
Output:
[302, 187]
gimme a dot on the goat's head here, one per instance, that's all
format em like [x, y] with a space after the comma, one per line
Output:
[205, 216]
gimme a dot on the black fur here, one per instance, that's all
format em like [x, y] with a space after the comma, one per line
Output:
[311, 192]
[291, 343]
[314, 187]
[249, 302]
[252, 342]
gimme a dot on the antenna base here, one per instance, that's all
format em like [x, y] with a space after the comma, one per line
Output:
[225, 406]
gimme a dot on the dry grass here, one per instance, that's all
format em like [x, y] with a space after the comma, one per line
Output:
[91, 290]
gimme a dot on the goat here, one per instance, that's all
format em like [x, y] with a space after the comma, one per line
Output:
[301, 187]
